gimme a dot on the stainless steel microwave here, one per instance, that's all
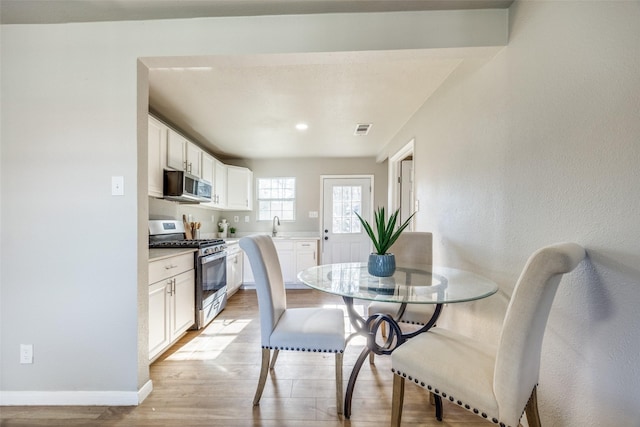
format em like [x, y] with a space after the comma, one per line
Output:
[182, 187]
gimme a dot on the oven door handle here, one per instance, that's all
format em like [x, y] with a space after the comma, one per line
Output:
[210, 258]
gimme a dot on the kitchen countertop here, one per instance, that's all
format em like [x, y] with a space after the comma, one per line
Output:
[281, 236]
[157, 254]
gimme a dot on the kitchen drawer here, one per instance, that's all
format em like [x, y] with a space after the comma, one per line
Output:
[307, 245]
[284, 245]
[168, 267]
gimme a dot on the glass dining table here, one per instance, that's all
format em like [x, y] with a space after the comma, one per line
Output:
[415, 284]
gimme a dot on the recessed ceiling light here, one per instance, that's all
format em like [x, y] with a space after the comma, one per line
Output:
[302, 126]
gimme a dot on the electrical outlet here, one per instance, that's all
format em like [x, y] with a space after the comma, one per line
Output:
[26, 353]
[236, 218]
[246, 218]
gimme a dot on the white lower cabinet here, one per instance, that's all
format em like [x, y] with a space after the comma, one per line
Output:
[306, 256]
[295, 255]
[159, 309]
[235, 260]
[171, 301]
[287, 258]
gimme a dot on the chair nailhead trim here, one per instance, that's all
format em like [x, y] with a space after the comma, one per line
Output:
[451, 398]
[314, 350]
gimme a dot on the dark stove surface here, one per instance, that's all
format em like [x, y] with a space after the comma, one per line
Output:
[184, 243]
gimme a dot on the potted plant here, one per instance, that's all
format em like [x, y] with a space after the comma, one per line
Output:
[382, 263]
[232, 231]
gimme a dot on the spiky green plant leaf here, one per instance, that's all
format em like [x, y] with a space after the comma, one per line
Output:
[385, 233]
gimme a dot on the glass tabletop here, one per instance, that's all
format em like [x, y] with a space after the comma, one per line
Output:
[409, 284]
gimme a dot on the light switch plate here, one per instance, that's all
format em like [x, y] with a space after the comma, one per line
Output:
[117, 185]
[313, 214]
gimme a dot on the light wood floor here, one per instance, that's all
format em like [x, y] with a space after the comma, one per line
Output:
[209, 379]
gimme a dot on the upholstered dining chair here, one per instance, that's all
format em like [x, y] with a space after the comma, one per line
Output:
[499, 382]
[411, 248]
[281, 328]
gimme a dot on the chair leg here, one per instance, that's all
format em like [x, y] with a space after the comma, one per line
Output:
[438, 402]
[264, 370]
[339, 394]
[533, 417]
[274, 358]
[397, 400]
[372, 357]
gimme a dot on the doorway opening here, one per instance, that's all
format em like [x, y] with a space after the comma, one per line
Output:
[401, 183]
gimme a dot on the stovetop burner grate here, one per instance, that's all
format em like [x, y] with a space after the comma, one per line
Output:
[184, 243]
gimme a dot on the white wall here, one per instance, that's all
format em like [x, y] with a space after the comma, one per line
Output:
[307, 173]
[540, 145]
[70, 115]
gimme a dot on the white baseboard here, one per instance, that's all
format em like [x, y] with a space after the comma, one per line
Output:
[75, 398]
[145, 391]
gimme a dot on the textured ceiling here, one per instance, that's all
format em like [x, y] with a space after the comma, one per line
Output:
[251, 110]
[248, 106]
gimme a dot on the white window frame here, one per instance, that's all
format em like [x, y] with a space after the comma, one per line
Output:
[274, 212]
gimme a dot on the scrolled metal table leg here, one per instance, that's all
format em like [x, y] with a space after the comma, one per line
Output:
[370, 330]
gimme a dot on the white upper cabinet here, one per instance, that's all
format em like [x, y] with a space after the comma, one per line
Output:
[215, 172]
[239, 186]
[194, 160]
[176, 151]
[220, 185]
[209, 175]
[207, 167]
[157, 138]
[183, 155]
[231, 186]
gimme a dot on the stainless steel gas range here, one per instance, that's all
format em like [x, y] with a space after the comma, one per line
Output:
[210, 263]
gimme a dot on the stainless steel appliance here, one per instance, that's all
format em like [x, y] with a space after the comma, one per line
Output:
[182, 187]
[210, 261]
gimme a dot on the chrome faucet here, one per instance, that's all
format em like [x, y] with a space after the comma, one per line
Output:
[276, 221]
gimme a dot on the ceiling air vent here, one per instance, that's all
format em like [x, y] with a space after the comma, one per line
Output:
[362, 129]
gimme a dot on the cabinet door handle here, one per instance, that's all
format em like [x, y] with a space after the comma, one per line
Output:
[173, 287]
[185, 165]
[314, 255]
[170, 266]
[169, 286]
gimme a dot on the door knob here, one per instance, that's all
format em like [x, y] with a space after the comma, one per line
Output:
[326, 238]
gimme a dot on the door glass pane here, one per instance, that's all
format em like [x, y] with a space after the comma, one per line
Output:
[346, 201]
